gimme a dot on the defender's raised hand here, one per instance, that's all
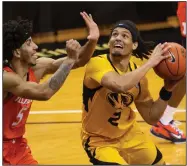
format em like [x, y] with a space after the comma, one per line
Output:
[72, 48]
[91, 25]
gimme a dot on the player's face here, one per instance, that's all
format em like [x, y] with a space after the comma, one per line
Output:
[28, 52]
[121, 43]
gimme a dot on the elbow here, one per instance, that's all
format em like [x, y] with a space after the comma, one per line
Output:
[124, 87]
[117, 88]
[45, 96]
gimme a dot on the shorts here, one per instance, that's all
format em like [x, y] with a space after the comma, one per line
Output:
[134, 147]
[17, 152]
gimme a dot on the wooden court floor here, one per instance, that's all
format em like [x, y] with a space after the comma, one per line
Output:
[53, 127]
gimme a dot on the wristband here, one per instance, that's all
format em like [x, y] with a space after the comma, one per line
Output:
[164, 94]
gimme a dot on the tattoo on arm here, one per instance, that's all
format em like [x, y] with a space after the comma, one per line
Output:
[60, 76]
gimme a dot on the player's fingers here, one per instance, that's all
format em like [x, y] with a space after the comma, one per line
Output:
[85, 17]
[166, 49]
[162, 45]
[91, 17]
[69, 41]
[157, 46]
[70, 44]
[76, 44]
[166, 56]
[73, 44]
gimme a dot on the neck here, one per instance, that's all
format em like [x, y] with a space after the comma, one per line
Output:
[120, 62]
[19, 67]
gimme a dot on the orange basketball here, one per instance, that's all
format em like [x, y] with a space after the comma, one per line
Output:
[174, 67]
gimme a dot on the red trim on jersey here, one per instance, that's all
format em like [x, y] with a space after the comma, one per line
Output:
[181, 13]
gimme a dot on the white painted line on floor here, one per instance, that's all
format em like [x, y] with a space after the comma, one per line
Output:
[72, 111]
[56, 112]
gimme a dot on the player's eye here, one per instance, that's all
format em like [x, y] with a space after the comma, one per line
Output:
[28, 42]
[125, 36]
[114, 34]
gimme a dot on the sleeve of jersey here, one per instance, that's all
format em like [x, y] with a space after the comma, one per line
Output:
[97, 68]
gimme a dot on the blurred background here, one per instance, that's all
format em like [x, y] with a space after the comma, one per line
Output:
[56, 22]
[53, 126]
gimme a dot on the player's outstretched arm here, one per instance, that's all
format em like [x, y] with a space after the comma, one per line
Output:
[86, 51]
[48, 65]
[14, 84]
[122, 83]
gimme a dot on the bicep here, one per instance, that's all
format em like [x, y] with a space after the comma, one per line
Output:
[44, 66]
[15, 85]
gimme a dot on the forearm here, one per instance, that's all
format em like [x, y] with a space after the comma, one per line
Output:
[56, 63]
[58, 78]
[86, 52]
[131, 79]
[157, 110]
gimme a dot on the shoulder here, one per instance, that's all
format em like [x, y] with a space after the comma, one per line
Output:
[10, 80]
[99, 58]
[43, 64]
[98, 62]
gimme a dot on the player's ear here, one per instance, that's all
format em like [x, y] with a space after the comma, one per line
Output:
[135, 45]
[108, 44]
[16, 53]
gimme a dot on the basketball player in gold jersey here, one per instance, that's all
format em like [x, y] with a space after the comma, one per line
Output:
[110, 133]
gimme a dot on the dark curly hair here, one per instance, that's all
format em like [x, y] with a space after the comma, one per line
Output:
[144, 47]
[15, 33]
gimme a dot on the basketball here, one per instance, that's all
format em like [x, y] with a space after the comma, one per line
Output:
[174, 67]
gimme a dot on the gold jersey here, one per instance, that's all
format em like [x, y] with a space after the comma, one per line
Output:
[106, 113]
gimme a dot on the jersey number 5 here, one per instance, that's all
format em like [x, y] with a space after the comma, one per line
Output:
[113, 120]
[19, 117]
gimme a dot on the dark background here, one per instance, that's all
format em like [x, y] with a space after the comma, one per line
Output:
[54, 16]
[51, 16]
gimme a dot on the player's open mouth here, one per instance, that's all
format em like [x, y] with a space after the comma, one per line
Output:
[118, 46]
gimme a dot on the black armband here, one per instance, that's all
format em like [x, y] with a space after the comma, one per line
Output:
[164, 94]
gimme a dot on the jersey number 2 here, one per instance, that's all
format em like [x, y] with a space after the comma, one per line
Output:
[113, 120]
[19, 116]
